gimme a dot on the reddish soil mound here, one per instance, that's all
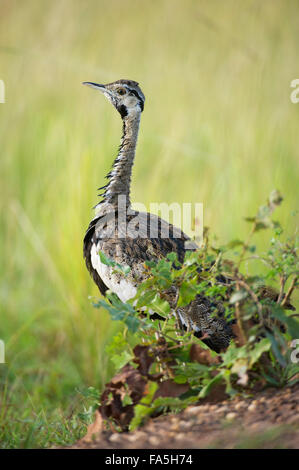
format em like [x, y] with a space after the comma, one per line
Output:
[268, 420]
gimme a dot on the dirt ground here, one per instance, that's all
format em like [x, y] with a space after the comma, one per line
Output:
[270, 419]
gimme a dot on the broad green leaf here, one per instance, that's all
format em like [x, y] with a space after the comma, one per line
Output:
[145, 299]
[188, 292]
[159, 305]
[260, 347]
[120, 360]
[143, 409]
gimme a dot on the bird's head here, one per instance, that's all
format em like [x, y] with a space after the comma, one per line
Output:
[125, 95]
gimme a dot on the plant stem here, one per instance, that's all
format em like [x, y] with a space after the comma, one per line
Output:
[283, 280]
[239, 320]
[252, 294]
[290, 290]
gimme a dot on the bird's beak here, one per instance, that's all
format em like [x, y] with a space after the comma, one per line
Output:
[97, 86]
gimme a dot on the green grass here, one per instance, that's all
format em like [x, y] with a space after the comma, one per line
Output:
[218, 128]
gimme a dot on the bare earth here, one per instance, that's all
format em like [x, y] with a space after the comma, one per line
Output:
[270, 419]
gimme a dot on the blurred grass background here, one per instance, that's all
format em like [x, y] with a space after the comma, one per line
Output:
[218, 128]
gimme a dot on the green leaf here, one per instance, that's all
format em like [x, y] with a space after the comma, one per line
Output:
[105, 260]
[120, 311]
[127, 400]
[159, 305]
[120, 360]
[276, 350]
[259, 348]
[270, 379]
[117, 345]
[291, 323]
[191, 257]
[180, 379]
[233, 353]
[173, 257]
[207, 388]
[143, 409]
[109, 262]
[188, 292]
[118, 268]
[144, 299]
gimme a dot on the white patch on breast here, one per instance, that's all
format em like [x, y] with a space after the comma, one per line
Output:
[122, 287]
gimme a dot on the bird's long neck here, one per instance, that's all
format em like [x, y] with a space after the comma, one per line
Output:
[120, 175]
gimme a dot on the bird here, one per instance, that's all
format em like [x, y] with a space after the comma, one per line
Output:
[130, 238]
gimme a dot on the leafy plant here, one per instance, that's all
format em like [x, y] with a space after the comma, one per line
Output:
[259, 353]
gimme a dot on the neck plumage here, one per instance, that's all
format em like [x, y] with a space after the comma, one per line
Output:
[120, 175]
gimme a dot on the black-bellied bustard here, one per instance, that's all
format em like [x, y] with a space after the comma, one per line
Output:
[129, 237]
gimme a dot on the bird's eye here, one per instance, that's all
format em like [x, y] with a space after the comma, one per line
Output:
[121, 91]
